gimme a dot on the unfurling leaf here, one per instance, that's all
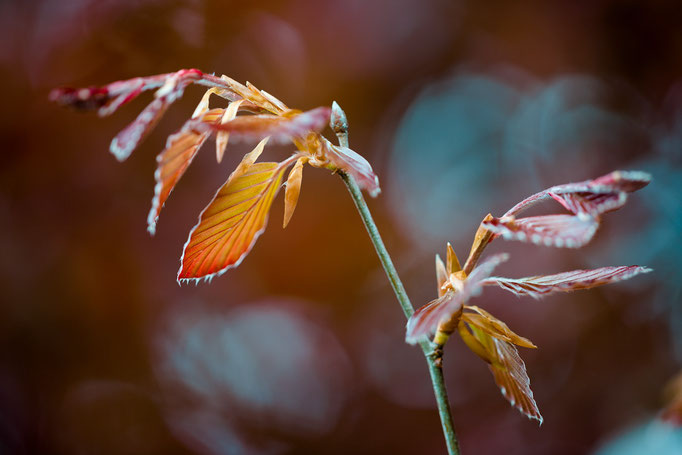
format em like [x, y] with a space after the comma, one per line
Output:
[506, 366]
[424, 322]
[223, 136]
[537, 286]
[293, 189]
[453, 262]
[354, 165]
[181, 148]
[229, 226]
[441, 275]
[570, 231]
[426, 319]
[280, 129]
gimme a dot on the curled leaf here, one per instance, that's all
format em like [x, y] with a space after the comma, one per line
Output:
[538, 286]
[610, 186]
[569, 231]
[354, 165]
[293, 189]
[229, 226]
[127, 140]
[174, 85]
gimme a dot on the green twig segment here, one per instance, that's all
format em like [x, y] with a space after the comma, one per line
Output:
[433, 357]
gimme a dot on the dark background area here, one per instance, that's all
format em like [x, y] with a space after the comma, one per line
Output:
[462, 107]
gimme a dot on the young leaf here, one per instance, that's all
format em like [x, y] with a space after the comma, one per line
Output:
[223, 136]
[426, 319]
[173, 87]
[281, 129]
[293, 189]
[609, 185]
[353, 164]
[453, 262]
[127, 140]
[441, 275]
[424, 322]
[538, 286]
[493, 326]
[173, 161]
[229, 226]
[570, 231]
[508, 370]
[593, 204]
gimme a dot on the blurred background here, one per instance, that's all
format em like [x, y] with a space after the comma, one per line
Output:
[462, 107]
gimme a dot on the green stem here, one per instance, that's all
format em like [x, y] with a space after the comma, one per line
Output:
[433, 356]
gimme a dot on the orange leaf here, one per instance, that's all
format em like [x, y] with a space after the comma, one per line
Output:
[494, 327]
[229, 226]
[508, 370]
[293, 189]
[173, 161]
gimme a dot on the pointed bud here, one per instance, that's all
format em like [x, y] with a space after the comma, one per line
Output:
[339, 124]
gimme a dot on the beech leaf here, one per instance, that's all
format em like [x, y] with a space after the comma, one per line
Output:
[173, 161]
[281, 129]
[293, 189]
[223, 136]
[426, 319]
[354, 165]
[581, 197]
[508, 370]
[538, 286]
[569, 231]
[493, 326]
[229, 226]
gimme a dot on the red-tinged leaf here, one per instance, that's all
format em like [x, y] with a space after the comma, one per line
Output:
[127, 140]
[354, 165]
[441, 275]
[426, 319]
[280, 129]
[614, 182]
[567, 231]
[610, 184]
[509, 372]
[424, 322]
[181, 148]
[229, 226]
[223, 136]
[293, 189]
[593, 204]
[538, 286]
